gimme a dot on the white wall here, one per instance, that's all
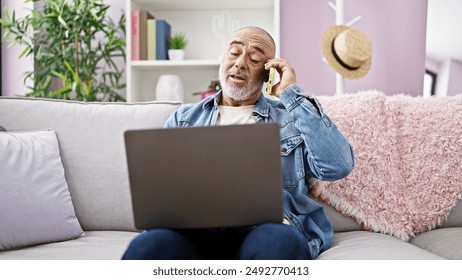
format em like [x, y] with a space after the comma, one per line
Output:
[455, 78]
[449, 76]
[442, 80]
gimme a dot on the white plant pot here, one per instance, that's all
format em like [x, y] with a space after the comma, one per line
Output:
[169, 88]
[174, 54]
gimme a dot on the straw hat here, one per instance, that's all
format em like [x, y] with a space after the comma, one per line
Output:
[347, 50]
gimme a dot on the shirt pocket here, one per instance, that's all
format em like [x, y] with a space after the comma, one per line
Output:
[292, 161]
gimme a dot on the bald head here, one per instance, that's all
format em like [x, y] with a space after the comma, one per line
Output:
[260, 34]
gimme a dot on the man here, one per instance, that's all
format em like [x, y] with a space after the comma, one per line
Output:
[311, 147]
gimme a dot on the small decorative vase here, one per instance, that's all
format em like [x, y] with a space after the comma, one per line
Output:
[169, 88]
[175, 54]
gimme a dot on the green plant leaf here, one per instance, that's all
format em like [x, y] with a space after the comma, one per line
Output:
[177, 41]
[60, 92]
[61, 20]
[73, 42]
[6, 12]
[26, 50]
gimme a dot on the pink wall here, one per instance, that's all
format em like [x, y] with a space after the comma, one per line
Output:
[13, 68]
[396, 29]
[115, 11]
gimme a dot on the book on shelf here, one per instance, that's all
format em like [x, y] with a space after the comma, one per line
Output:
[163, 30]
[139, 32]
[152, 39]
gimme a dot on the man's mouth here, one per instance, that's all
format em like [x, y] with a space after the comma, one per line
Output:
[238, 78]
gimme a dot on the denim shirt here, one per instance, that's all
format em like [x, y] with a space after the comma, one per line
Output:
[311, 147]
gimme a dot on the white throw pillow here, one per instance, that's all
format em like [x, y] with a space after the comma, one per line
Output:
[35, 203]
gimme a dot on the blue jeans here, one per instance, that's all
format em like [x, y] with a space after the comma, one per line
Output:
[266, 241]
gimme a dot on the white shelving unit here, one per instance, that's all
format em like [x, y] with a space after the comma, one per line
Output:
[207, 24]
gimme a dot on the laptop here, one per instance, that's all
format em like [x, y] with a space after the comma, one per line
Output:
[205, 177]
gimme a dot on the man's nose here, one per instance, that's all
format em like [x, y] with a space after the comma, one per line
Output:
[240, 62]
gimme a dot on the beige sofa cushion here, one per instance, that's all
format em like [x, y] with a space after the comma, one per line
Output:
[362, 245]
[96, 245]
[446, 242]
[92, 149]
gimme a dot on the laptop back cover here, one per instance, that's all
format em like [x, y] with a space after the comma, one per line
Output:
[205, 177]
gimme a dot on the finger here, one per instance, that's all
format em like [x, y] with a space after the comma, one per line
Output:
[277, 63]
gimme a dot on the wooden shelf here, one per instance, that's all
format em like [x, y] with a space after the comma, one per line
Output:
[183, 64]
[207, 24]
[204, 4]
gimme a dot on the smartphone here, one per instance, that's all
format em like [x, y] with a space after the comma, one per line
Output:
[269, 88]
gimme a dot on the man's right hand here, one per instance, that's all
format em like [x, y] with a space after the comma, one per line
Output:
[286, 74]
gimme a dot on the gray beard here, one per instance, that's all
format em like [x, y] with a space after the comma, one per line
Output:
[235, 92]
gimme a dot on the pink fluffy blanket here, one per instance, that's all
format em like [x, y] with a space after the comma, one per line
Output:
[408, 153]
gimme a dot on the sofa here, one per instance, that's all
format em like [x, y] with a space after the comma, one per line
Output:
[87, 213]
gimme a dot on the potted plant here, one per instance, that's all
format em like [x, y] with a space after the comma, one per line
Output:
[176, 44]
[75, 46]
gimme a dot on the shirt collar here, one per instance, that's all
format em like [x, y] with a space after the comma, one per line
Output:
[261, 107]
